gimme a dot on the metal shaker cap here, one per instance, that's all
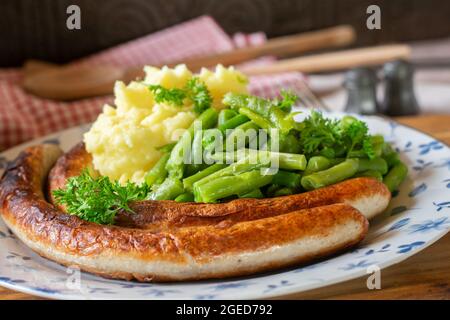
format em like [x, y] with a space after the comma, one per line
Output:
[360, 77]
[361, 84]
[399, 95]
[399, 70]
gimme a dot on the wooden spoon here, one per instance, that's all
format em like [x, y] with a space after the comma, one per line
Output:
[74, 82]
[88, 84]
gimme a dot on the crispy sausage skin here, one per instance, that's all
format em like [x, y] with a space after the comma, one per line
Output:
[187, 251]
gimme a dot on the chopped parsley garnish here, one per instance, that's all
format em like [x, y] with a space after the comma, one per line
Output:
[288, 100]
[172, 96]
[199, 94]
[98, 199]
[195, 91]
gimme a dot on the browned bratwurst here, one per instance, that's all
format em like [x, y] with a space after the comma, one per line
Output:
[255, 240]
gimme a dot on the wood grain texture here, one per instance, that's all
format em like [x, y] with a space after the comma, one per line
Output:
[425, 275]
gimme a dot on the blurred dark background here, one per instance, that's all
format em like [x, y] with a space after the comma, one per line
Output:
[37, 28]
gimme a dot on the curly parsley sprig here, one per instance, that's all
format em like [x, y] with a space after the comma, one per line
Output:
[172, 96]
[98, 199]
[348, 137]
[195, 91]
[199, 94]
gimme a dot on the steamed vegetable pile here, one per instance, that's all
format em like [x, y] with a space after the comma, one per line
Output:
[311, 154]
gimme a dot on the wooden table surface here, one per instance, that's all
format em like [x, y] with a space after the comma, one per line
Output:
[425, 275]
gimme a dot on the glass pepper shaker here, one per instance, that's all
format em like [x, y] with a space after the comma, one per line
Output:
[399, 96]
[361, 85]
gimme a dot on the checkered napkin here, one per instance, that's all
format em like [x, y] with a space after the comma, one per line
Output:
[24, 117]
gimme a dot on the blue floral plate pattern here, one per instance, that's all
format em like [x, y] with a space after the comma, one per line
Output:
[419, 214]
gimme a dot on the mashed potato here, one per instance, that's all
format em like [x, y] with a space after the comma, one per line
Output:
[221, 81]
[124, 140]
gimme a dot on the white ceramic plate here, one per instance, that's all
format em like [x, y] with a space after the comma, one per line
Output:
[417, 216]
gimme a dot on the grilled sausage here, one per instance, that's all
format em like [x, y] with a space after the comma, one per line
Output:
[185, 252]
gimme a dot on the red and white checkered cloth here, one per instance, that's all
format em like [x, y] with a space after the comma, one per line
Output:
[24, 117]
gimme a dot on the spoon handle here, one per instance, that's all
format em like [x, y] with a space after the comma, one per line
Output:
[340, 60]
[281, 47]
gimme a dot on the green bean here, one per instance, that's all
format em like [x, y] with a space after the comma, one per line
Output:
[332, 175]
[158, 173]
[378, 144]
[244, 165]
[167, 147]
[336, 161]
[168, 190]
[287, 179]
[390, 155]
[256, 118]
[230, 185]
[271, 189]
[249, 125]
[237, 141]
[212, 141]
[378, 164]
[319, 163]
[377, 139]
[288, 161]
[233, 122]
[387, 149]
[179, 156]
[370, 173]
[396, 176]
[267, 145]
[225, 115]
[188, 182]
[185, 197]
[392, 159]
[191, 169]
[197, 148]
[257, 194]
[360, 154]
[207, 119]
[283, 192]
[281, 120]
